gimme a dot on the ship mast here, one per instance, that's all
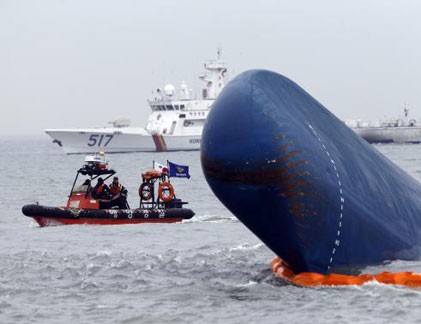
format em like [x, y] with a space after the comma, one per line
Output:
[214, 76]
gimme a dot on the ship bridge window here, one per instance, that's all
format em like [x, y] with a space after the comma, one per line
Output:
[182, 116]
[182, 107]
[177, 107]
[169, 107]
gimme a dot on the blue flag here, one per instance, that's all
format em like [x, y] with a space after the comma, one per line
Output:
[178, 171]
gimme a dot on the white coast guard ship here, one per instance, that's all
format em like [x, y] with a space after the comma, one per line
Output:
[403, 129]
[175, 124]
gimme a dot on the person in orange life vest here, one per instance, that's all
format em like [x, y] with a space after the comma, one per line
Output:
[118, 193]
[115, 187]
[101, 190]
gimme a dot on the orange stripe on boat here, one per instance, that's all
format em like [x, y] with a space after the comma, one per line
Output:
[159, 142]
[312, 279]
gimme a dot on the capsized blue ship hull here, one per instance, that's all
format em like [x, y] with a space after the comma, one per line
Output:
[313, 191]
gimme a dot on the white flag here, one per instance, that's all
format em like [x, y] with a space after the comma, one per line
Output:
[160, 167]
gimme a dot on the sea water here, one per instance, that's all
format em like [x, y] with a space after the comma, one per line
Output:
[210, 269]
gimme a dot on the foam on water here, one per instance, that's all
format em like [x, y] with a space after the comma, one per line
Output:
[212, 219]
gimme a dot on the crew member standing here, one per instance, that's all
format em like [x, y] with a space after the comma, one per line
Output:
[118, 194]
[101, 190]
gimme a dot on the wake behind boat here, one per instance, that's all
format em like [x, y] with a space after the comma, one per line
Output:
[103, 205]
[175, 124]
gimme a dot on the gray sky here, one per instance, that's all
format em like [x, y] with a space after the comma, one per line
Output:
[80, 63]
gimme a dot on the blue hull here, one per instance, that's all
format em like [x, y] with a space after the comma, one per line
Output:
[313, 191]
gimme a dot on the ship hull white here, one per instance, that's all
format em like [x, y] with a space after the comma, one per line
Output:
[175, 123]
[76, 142]
[390, 134]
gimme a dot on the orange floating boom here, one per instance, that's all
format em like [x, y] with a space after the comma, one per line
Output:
[313, 279]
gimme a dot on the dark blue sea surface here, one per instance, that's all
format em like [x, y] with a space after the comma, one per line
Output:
[210, 269]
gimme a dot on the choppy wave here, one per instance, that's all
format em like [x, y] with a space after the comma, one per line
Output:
[208, 269]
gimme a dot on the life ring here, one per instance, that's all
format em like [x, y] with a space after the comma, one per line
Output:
[166, 191]
[145, 191]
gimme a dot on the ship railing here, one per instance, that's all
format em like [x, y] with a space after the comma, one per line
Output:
[215, 65]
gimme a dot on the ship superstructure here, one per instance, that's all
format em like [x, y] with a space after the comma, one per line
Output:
[175, 124]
